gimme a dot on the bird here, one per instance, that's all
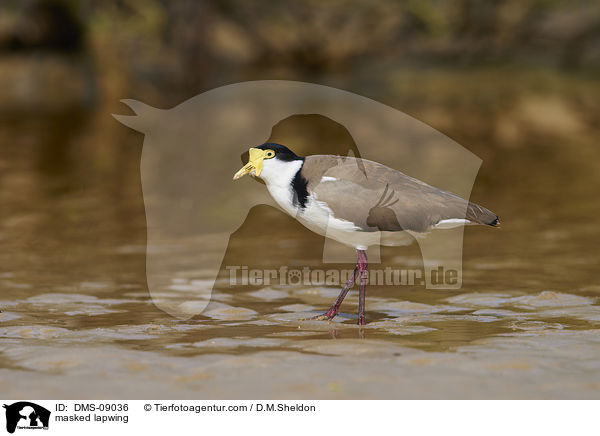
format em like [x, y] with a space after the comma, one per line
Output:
[357, 202]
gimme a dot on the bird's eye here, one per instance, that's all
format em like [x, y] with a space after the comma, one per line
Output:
[269, 154]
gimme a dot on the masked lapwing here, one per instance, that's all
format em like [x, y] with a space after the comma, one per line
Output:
[357, 202]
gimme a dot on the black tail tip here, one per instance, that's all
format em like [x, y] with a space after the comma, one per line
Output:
[495, 222]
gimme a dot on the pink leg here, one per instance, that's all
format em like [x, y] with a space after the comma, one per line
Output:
[334, 309]
[359, 271]
[362, 269]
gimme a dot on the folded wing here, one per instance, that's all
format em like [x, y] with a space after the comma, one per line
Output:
[378, 198]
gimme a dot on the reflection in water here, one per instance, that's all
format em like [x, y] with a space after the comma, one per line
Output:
[77, 318]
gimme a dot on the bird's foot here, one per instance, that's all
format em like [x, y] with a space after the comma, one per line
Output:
[327, 316]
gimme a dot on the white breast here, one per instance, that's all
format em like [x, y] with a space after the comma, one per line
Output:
[284, 196]
[318, 213]
[319, 218]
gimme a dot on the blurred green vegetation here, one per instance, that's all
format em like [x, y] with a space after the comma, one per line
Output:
[166, 51]
[485, 72]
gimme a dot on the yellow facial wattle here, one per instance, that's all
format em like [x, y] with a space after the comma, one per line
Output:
[255, 163]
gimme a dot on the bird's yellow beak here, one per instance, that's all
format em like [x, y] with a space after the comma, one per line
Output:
[255, 164]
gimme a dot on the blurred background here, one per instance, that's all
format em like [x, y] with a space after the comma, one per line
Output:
[513, 81]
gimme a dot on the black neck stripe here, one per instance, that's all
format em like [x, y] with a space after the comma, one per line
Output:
[299, 186]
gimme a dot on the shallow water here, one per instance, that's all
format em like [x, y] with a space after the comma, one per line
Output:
[78, 321]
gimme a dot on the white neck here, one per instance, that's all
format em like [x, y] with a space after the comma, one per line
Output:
[277, 172]
[278, 176]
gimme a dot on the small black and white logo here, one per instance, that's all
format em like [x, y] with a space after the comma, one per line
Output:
[26, 415]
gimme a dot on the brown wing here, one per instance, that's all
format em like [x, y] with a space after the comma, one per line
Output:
[375, 197]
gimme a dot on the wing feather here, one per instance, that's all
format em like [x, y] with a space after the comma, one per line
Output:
[377, 198]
